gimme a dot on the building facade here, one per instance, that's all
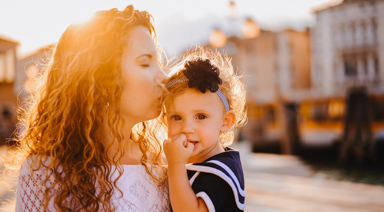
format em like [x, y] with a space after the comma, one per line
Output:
[256, 60]
[347, 49]
[294, 64]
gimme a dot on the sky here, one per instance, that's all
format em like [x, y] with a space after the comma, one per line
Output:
[179, 23]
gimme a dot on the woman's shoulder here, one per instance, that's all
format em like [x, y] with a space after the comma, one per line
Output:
[33, 180]
[34, 175]
[32, 163]
[35, 165]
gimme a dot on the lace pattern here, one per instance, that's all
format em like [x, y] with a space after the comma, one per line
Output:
[140, 193]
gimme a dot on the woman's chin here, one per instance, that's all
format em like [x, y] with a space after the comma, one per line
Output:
[154, 114]
[157, 112]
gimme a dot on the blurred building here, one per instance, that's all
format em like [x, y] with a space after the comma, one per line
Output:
[298, 82]
[348, 47]
[8, 96]
[18, 78]
[276, 72]
[294, 64]
[347, 72]
[275, 65]
[256, 60]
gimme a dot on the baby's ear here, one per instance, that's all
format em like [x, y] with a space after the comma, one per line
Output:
[228, 121]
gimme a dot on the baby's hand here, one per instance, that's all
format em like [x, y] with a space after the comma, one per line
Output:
[177, 149]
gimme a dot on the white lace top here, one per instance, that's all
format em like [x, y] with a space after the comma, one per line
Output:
[140, 193]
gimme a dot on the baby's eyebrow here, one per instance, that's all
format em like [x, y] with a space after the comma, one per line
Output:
[200, 111]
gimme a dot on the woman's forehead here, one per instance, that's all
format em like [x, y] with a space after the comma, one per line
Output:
[140, 42]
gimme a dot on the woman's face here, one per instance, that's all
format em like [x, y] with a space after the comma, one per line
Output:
[142, 74]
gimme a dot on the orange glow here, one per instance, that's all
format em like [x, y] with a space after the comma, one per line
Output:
[30, 85]
[250, 29]
[83, 17]
[217, 38]
[336, 108]
[305, 110]
[232, 4]
[32, 72]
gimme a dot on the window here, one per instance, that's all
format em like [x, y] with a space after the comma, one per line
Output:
[350, 68]
[365, 64]
[7, 66]
[319, 112]
[374, 30]
[10, 65]
[376, 66]
[378, 110]
[2, 67]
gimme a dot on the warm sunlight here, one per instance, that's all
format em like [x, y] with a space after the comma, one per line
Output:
[83, 17]
[46, 20]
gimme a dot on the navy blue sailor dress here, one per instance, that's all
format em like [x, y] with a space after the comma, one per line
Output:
[219, 181]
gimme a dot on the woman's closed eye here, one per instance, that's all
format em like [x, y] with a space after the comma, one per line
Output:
[145, 65]
[145, 62]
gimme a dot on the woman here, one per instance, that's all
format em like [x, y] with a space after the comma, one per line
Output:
[87, 143]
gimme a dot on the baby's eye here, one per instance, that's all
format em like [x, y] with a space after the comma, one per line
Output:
[146, 65]
[201, 116]
[176, 118]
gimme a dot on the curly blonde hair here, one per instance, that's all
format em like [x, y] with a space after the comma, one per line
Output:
[64, 116]
[231, 86]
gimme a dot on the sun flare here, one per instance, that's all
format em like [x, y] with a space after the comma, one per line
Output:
[83, 17]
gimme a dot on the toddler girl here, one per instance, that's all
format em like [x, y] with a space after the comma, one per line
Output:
[204, 104]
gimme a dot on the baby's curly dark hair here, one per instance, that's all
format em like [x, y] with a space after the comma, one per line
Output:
[208, 70]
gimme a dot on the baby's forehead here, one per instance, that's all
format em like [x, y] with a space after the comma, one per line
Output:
[194, 99]
[179, 91]
[187, 94]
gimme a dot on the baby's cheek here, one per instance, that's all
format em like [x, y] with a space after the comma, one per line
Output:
[172, 131]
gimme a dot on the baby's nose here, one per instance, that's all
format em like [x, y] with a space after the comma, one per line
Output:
[188, 127]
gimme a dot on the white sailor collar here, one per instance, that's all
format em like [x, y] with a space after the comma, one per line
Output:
[226, 166]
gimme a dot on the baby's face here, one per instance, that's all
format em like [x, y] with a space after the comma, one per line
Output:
[200, 117]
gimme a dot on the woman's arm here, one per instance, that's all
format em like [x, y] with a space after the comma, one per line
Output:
[182, 196]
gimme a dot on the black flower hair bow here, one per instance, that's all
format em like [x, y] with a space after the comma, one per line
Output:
[202, 74]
